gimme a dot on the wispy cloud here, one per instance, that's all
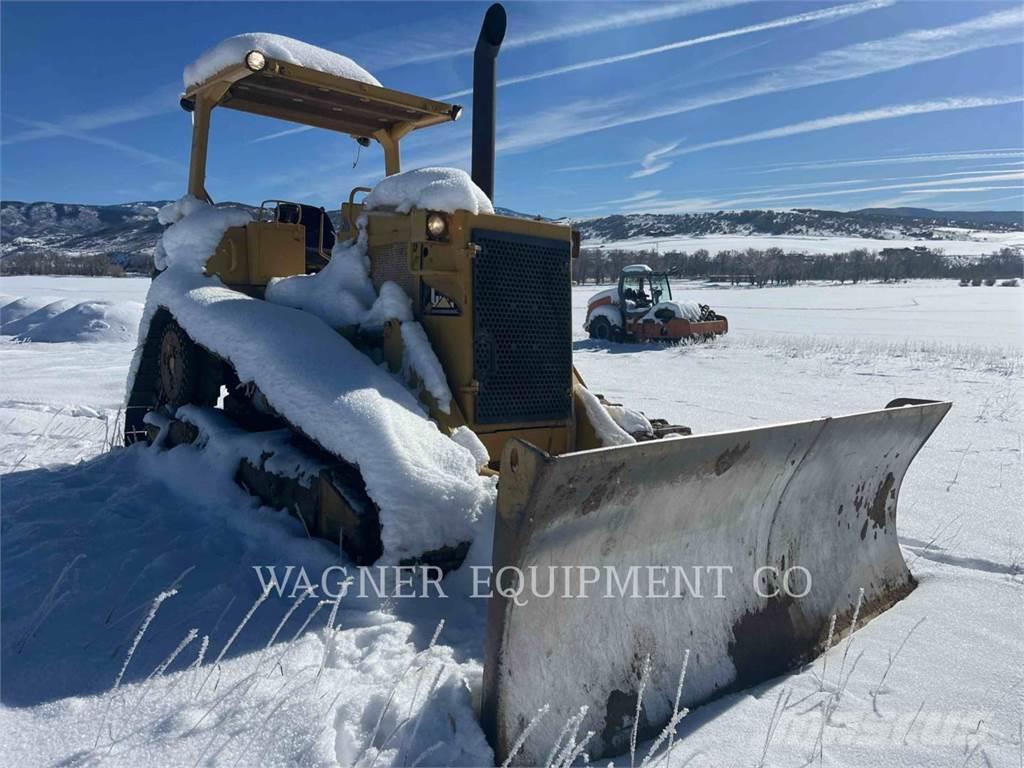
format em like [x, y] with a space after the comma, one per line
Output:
[280, 134]
[833, 13]
[596, 166]
[854, 118]
[923, 157]
[716, 198]
[53, 129]
[650, 170]
[851, 62]
[161, 100]
[635, 198]
[969, 184]
[1018, 197]
[414, 46]
[651, 163]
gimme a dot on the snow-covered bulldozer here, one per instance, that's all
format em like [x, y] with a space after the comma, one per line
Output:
[641, 308]
[260, 328]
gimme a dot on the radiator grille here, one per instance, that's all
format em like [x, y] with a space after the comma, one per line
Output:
[391, 262]
[522, 317]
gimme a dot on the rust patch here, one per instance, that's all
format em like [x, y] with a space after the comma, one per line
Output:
[594, 499]
[764, 644]
[606, 491]
[620, 709]
[724, 462]
[876, 512]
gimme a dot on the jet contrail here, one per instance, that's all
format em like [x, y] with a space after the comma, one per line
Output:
[925, 157]
[834, 12]
[853, 118]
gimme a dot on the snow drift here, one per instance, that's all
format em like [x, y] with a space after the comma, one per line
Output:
[233, 50]
[22, 318]
[64, 320]
[88, 321]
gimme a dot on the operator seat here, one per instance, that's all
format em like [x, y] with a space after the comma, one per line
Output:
[313, 219]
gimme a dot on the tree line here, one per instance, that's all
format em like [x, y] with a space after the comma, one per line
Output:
[773, 266]
[92, 265]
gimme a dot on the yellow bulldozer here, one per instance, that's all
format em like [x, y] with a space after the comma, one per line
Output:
[798, 517]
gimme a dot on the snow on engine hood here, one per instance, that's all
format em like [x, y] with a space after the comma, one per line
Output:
[435, 189]
[232, 51]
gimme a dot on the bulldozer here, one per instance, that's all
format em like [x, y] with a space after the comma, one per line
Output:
[640, 308]
[815, 497]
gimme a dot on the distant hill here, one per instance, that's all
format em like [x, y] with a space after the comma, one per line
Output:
[126, 234]
[877, 223]
[1014, 219]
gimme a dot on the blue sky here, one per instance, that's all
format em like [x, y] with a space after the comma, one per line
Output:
[606, 107]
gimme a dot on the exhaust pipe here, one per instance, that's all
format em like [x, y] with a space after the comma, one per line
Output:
[485, 82]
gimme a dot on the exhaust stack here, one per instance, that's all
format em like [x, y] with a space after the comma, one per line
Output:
[492, 33]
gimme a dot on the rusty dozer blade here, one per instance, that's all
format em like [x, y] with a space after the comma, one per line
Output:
[604, 558]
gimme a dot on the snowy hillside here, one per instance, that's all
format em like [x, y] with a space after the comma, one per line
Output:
[873, 223]
[126, 234]
[135, 632]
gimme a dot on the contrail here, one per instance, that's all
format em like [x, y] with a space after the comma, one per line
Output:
[854, 118]
[923, 157]
[634, 17]
[583, 117]
[835, 12]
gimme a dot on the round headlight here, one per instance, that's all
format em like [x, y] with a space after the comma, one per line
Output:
[436, 225]
[255, 61]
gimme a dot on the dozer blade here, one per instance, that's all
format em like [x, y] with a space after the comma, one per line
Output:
[706, 525]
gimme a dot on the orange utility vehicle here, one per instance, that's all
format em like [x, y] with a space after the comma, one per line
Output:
[640, 308]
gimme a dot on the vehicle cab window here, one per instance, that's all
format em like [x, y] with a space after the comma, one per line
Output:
[636, 291]
[660, 290]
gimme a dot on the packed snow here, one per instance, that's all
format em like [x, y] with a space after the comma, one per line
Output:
[233, 50]
[687, 310]
[195, 232]
[435, 189]
[91, 538]
[607, 428]
[336, 395]
[342, 295]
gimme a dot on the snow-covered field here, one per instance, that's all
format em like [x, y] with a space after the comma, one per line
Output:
[91, 538]
[957, 243]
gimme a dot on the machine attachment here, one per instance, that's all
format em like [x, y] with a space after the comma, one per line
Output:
[604, 558]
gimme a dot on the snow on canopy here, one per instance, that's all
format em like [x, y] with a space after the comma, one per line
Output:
[233, 50]
[425, 484]
[435, 189]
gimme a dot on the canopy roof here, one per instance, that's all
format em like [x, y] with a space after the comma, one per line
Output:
[310, 97]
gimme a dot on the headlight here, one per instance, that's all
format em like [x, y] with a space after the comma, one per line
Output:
[437, 226]
[255, 61]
